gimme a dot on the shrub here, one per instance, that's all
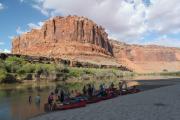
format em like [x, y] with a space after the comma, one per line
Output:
[3, 74]
[13, 64]
[6, 77]
[9, 78]
[75, 72]
[2, 64]
[88, 71]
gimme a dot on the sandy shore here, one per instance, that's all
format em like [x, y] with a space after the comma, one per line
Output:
[158, 104]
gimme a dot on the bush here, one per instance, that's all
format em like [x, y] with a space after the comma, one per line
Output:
[6, 77]
[27, 68]
[45, 68]
[13, 64]
[75, 72]
[2, 64]
[89, 71]
[9, 78]
[3, 75]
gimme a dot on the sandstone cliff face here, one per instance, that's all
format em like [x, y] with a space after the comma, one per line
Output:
[148, 58]
[80, 39]
[63, 36]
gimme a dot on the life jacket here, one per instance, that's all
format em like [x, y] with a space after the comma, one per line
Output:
[50, 98]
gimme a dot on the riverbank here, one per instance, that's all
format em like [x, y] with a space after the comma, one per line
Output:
[157, 104]
[19, 70]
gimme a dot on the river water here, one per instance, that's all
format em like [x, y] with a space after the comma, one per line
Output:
[14, 103]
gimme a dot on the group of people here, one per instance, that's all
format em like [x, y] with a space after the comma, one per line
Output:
[89, 90]
[61, 96]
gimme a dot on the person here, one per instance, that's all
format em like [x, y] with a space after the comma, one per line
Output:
[77, 93]
[112, 86]
[104, 87]
[37, 101]
[89, 90]
[30, 99]
[84, 90]
[62, 95]
[72, 95]
[93, 90]
[67, 95]
[101, 87]
[56, 91]
[50, 101]
[124, 83]
[101, 90]
[120, 88]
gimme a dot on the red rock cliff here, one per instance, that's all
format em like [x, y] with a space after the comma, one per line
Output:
[63, 36]
[150, 58]
[78, 38]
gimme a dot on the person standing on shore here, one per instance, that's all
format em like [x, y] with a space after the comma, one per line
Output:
[112, 86]
[84, 90]
[93, 90]
[30, 99]
[50, 101]
[89, 90]
[120, 88]
[38, 101]
[124, 85]
[56, 91]
[62, 94]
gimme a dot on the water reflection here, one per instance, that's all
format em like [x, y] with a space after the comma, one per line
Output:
[14, 101]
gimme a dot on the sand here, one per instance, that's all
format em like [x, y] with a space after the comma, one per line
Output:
[157, 104]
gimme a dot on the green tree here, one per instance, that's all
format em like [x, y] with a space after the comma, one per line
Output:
[13, 64]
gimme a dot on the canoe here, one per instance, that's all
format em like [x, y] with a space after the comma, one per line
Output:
[98, 99]
[109, 97]
[78, 102]
[66, 106]
[131, 91]
[70, 105]
[93, 100]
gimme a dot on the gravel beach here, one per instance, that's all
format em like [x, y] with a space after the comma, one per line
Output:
[157, 104]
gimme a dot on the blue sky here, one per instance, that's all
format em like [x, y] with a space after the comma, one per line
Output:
[131, 21]
[13, 15]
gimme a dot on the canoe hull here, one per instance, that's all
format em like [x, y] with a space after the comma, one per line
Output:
[66, 106]
[70, 106]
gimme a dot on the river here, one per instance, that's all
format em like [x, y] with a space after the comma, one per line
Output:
[14, 103]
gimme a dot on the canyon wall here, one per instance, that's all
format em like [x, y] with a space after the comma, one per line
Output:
[80, 39]
[60, 36]
[147, 58]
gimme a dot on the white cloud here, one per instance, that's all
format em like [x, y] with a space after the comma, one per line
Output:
[43, 11]
[1, 6]
[19, 31]
[11, 37]
[127, 20]
[163, 16]
[124, 18]
[165, 41]
[5, 51]
[35, 26]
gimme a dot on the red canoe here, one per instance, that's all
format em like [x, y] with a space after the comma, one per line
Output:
[93, 100]
[67, 106]
[98, 99]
